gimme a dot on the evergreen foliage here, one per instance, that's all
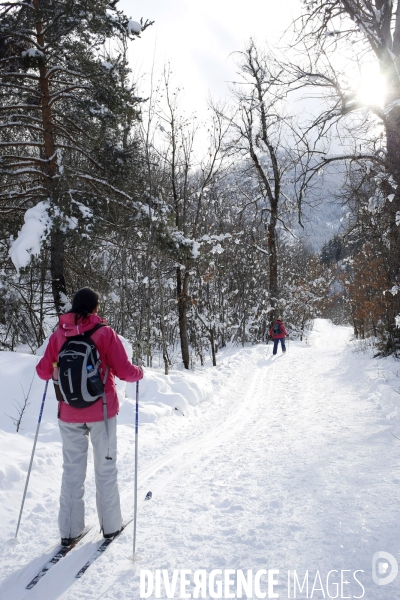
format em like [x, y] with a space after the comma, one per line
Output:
[65, 119]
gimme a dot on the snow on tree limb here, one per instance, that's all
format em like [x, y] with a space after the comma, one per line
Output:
[35, 229]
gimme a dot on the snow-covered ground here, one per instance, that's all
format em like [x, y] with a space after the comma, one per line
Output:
[285, 463]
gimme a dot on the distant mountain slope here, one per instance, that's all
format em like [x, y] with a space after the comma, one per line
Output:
[323, 214]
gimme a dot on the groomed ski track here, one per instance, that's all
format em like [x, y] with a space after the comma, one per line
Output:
[291, 465]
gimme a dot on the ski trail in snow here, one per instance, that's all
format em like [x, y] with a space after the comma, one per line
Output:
[296, 480]
[195, 453]
[291, 466]
[156, 475]
[199, 449]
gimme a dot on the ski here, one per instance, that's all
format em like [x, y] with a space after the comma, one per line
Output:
[102, 548]
[59, 554]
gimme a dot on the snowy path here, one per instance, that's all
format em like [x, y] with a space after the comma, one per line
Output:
[291, 466]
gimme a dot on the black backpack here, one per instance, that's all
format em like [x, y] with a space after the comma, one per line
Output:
[277, 329]
[78, 370]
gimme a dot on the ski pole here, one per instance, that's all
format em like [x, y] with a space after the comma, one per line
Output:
[136, 466]
[33, 452]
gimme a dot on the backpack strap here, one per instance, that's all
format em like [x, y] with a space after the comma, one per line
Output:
[105, 415]
[105, 411]
[86, 334]
[91, 331]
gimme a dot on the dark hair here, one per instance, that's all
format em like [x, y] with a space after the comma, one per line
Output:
[84, 303]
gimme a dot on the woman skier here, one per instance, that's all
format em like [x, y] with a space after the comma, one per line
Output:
[78, 379]
[278, 332]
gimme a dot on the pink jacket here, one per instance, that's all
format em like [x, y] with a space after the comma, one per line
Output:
[279, 335]
[112, 353]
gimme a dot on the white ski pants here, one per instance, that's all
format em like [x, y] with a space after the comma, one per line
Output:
[75, 439]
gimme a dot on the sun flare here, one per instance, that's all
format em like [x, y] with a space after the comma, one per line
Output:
[372, 87]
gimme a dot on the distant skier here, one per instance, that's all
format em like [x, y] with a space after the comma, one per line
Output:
[83, 356]
[278, 333]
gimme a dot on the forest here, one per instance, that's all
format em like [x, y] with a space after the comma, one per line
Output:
[198, 233]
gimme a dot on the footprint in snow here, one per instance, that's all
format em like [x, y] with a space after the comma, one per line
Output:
[233, 508]
[224, 504]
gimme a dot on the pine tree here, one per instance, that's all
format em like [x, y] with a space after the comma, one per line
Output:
[64, 116]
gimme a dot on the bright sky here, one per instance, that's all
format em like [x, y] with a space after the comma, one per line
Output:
[198, 37]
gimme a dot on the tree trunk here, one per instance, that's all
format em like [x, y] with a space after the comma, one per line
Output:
[149, 357]
[303, 323]
[212, 340]
[162, 323]
[393, 207]
[182, 293]
[164, 344]
[43, 270]
[273, 262]
[355, 328]
[50, 154]
[57, 269]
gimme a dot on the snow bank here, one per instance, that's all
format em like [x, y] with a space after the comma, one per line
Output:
[163, 395]
[29, 240]
[160, 395]
[17, 375]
